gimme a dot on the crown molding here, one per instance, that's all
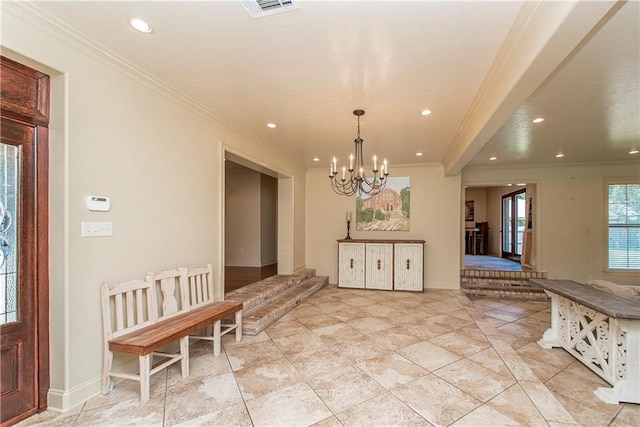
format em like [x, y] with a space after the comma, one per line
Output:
[54, 27]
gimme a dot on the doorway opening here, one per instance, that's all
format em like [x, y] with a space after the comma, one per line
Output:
[251, 223]
[513, 224]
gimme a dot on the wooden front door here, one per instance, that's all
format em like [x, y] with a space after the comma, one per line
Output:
[24, 361]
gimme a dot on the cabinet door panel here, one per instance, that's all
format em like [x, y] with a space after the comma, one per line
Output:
[351, 265]
[408, 273]
[379, 262]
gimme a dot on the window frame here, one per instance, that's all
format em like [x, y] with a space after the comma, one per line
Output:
[608, 183]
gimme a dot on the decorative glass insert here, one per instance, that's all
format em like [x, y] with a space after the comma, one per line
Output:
[9, 190]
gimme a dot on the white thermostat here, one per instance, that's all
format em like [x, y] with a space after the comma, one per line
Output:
[98, 203]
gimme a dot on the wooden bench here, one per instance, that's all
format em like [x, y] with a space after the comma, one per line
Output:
[133, 325]
[600, 329]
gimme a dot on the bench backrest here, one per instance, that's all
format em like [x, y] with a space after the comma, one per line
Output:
[168, 287]
[196, 286]
[128, 306]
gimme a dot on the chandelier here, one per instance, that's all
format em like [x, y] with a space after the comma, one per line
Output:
[356, 181]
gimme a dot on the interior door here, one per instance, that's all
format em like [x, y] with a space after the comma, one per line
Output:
[24, 361]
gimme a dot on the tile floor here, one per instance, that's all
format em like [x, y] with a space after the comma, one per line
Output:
[373, 358]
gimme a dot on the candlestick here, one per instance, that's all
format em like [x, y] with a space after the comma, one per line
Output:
[375, 163]
[350, 162]
[344, 171]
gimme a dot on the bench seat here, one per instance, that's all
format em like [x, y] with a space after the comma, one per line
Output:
[599, 328]
[150, 338]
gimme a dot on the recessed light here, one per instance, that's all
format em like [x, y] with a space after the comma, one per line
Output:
[419, 153]
[559, 155]
[316, 159]
[634, 151]
[493, 158]
[140, 25]
[425, 112]
[538, 120]
[271, 125]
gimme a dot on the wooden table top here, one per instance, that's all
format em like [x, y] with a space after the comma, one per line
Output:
[612, 305]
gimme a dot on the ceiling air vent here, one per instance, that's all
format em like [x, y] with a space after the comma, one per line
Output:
[259, 8]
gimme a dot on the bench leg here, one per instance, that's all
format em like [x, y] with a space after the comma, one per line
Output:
[216, 338]
[184, 351]
[145, 370]
[238, 325]
[108, 360]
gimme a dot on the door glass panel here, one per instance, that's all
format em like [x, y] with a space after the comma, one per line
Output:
[9, 165]
[520, 222]
[506, 225]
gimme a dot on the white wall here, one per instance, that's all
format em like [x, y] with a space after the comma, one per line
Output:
[570, 216]
[157, 157]
[435, 217]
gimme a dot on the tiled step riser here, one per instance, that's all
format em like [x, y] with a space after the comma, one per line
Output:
[269, 288]
[499, 274]
[256, 321]
[496, 287]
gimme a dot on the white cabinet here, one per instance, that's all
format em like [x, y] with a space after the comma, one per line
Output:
[408, 266]
[381, 264]
[351, 265]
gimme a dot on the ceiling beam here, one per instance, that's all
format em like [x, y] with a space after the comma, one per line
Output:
[543, 36]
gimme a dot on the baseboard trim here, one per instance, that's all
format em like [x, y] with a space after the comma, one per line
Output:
[64, 401]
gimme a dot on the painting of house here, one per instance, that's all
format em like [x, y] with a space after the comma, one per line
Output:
[386, 211]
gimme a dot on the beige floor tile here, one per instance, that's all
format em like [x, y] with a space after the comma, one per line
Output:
[579, 369]
[491, 360]
[299, 343]
[495, 322]
[515, 404]
[189, 400]
[260, 352]
[339, 332]
[459, 344]
[485, 416]
[229, 340]
[577, 388]
[286, 328]
[348, 313]
[318, 321]
[359, 301]
[314, 363]
[588, 414]
[232, 416]
[392, 370]
[520, 331]
[382, 410]
[52, 419]
[395, 338]
[368, 325]
[345, 388]
[449, 321]
[630, 414]
[546, 403]
[328, 422]
[516, 342]
[552, 356]
[360, 349]
[518, 309]
[437, 401]
[126, 413]
[202, 364]
[501, 314]
[475, 380]
[426, 329]
[292, 406]
[543, 371]
[428, 355]
[305, 310]
[265, 378]
[128, 390]
[519, 369]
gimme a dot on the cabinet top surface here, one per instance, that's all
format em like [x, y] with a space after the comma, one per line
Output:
[379, 241]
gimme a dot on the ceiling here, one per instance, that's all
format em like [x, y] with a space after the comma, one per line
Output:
[306, 70]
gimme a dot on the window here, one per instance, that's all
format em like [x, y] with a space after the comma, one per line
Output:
[623, 219]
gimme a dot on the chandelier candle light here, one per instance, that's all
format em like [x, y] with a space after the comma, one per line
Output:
[348, 226]
[356, 182]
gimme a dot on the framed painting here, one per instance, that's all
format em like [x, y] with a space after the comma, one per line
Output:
[389, 210]
[468, 210]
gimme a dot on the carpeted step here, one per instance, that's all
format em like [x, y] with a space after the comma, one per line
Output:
[259, 318]
[263, 291]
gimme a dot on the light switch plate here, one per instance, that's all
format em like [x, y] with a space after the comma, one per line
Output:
[97, 229]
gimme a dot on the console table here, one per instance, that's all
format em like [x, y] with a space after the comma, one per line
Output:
[381, 264]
